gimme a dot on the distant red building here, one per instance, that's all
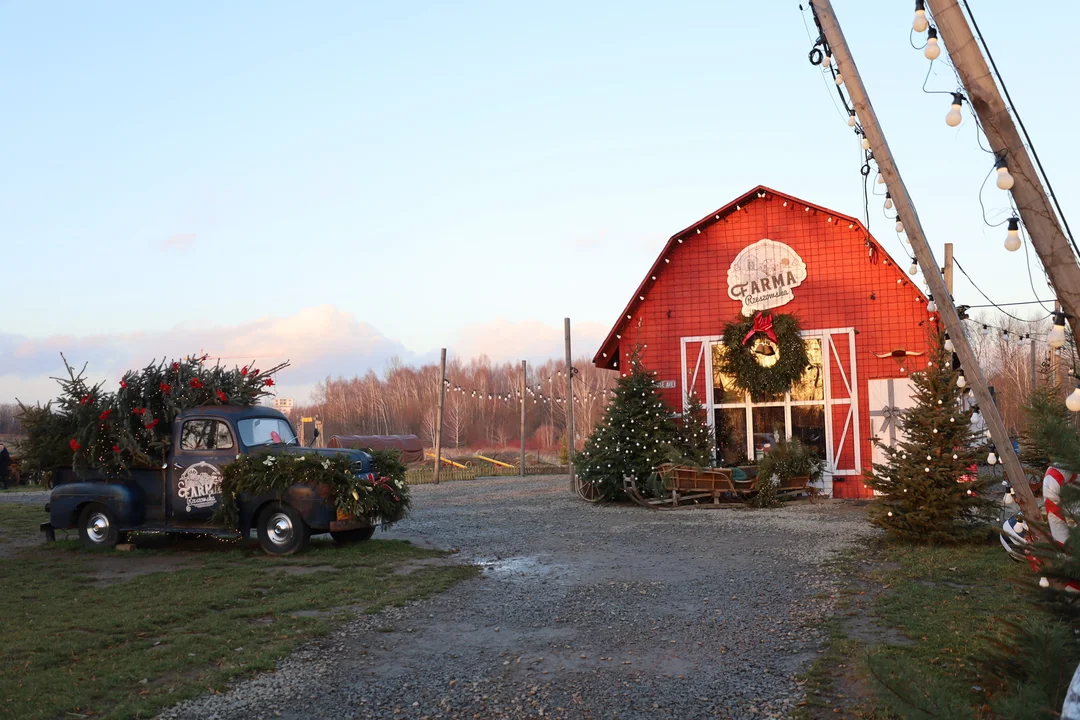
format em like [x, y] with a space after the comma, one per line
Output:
[769, 250]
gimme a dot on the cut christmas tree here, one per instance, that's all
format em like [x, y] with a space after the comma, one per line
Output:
[930, 491]
[695, 438]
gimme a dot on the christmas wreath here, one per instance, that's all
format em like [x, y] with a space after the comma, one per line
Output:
[764, 354]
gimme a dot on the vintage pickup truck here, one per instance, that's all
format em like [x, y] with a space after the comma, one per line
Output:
[180, 497]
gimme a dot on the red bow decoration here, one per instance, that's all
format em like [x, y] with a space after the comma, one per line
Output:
[384, 483]
[762, 324]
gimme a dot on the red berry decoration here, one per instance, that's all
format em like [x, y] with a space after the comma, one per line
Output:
[268, 382]
[138, 411]
[123, 384]
[243, 370]
[165, 388]
[255, 371]
[116, 449]
[222, 397]
[74, 444]
[85, 399]
[176, 367]
[152, 424]
[105, 415]
[195, 383]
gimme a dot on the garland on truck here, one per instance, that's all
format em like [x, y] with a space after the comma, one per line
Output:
[382, 498]
[90, 428]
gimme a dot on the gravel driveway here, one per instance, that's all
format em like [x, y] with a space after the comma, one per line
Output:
[584, 611]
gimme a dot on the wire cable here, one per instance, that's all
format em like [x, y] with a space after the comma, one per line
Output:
[992, 303]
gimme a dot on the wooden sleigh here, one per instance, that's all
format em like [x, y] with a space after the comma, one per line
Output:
[686, 486]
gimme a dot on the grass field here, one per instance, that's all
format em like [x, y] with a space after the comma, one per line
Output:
[909, 622]
[124, 634]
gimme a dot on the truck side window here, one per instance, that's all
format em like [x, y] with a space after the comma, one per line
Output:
[205, 435]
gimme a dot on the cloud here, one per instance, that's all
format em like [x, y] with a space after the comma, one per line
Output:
[318, 341]
[504, 340]
[181, 242]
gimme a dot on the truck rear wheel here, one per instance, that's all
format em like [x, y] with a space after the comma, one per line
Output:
[344, 537]
[97, 527]
[281, 529]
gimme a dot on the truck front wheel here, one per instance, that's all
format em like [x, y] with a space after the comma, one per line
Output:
[281, 529]
[97, 527]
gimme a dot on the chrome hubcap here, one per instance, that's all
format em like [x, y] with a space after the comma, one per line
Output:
[98, 527]
[280, 529]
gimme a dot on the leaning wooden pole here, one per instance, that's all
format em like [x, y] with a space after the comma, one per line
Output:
[571, 444]
[524, 382]
[1040, 218]
[439, 415]
[905, 208]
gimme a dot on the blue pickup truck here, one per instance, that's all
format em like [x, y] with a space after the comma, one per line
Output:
[181, 495]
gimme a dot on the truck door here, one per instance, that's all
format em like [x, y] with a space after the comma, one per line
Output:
[206, 446]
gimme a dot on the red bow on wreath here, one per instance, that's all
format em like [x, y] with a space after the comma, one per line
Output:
[762, 323]
[384, 482]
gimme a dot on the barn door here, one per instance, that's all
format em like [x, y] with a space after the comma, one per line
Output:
[888, 398]
[696, 369]
[842, 400]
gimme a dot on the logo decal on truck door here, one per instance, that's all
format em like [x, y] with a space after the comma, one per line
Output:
[200, 486]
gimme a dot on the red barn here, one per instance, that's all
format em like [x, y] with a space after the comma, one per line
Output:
[858, 310]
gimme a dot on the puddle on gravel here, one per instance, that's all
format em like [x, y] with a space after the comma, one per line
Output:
[507, 567]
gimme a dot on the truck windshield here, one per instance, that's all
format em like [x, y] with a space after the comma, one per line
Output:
[265, 431]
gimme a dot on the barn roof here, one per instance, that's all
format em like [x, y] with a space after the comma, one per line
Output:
[601, 359]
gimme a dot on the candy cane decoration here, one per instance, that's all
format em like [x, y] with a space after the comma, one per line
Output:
[1053, 481]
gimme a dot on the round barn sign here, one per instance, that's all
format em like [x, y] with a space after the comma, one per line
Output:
[764, 275]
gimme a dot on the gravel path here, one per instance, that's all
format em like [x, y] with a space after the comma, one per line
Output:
[584, 611]
[31, 496]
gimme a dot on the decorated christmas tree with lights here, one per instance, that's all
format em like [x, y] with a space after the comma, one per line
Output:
[695, 439]
[929, 487]
[635, 437]
[91, 428]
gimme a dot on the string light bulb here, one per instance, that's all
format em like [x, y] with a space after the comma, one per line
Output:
[880, 178]
[826, 60]
[991, 459]
[865, 143]
[931, 306]
[933, 48]
[1012, 238]
[953, 117]
[1073, 401]
[948, 343]
[851, 118]
[899, 226]
[976, 418]
[888, 201]
[961, 381]
[1004, 179]
[839, 79]
[914, 269]
[920, 23]
[1056, 337]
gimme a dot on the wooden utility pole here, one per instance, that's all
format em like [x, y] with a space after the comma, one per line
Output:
[1037, 212]
[905, 208]
[947, 268]
[439, 412]
[571, 444]
[523, 388]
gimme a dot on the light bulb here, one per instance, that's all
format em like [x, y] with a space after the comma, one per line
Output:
[888, 201]
[931, 306]
[961, 381]
[1044, 583]
[920, 23]
[1012, 238]
[880, 179]
[839, 79]
[865, 143]
[899, 226]
[914, 269]
[953, 117]
[826, 61]
[1073, 401]
[976, 418]
[1009, 499]
[851, 118]
[948, 343]
[1004, 179]
[933, 49]
[1056, 337]
[991, 459]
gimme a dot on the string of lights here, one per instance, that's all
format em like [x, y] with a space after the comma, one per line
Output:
[996, 306]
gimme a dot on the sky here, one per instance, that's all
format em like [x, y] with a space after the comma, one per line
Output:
[337, 183]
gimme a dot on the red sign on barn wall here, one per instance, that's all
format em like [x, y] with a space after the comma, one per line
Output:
[771, 250]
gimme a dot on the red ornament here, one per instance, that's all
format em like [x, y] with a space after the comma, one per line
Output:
[222, 397]
[123, 384]
[105, 415]
[74, 445]
[268, 382]
[762, 323]
[255, 371]
[116, 449]
[176, 367]
[243, 370]
[195, 383]
[152, 424]
[138, 411]
[85, 399]
[165, 388]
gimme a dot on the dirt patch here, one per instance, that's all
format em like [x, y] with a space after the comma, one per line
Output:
[414, 565]
[110, 569]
